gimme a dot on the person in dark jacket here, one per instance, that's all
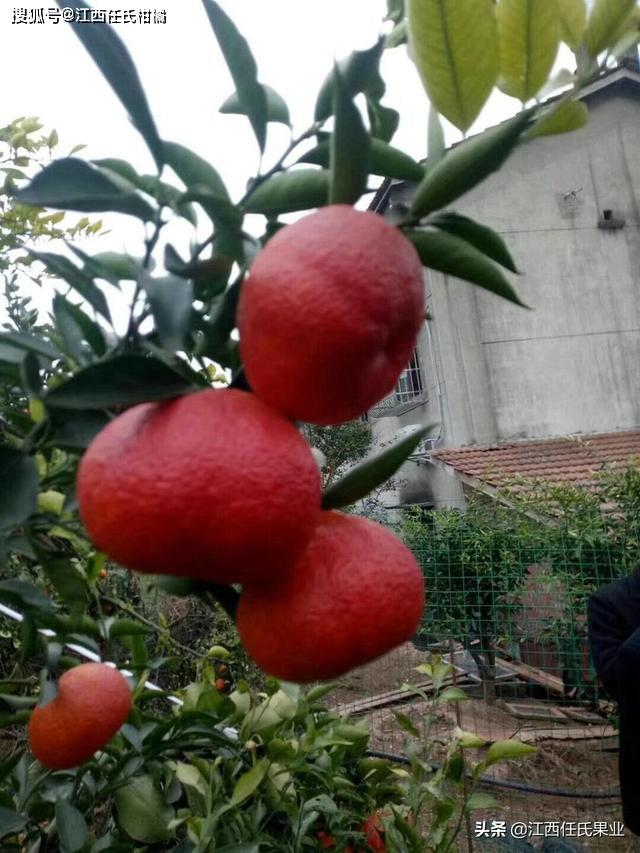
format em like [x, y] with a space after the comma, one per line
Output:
[614, 638]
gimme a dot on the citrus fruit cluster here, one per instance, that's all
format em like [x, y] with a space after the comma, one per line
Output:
[219, 485]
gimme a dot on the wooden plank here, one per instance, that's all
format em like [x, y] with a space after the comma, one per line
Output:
[567, 733]
[550, 682]
[583, 715]
[535, 711]
[392, 697]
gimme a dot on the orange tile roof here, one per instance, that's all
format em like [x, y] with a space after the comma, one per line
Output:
[571, 459]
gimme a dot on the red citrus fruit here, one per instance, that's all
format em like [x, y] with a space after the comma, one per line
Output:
[215, 485]
[354, 593]
[373, 830]
[92, 702]
[330, 313]
[220, 684]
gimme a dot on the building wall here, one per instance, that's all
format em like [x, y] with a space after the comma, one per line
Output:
[571, 363]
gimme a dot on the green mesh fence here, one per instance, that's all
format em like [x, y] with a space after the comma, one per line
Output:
[506, 606]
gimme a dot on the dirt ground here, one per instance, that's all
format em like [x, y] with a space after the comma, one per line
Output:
[573, 765]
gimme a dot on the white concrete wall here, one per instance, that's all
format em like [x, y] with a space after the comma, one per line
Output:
[572, 363]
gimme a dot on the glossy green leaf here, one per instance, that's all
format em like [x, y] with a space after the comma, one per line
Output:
[11, 822]
[363, 478]
[127, 628]
[453, 256]
[359, 72]
[251, 94]
[606, 24]
[68, 330]
[436, 146]
[383, 121]
[79, 280]
[72, 184]
[113, 266]
[573, 20]
[192, 169]
[504, 750]
[170, 299]
[28, 343]
[529, 32]
[222, 323]
[76, 432]
[112, 59]
[71, 827]
[349, 148]
[119, 167]
[24, 596]
[142, 811]
[90, 330]
[120, 381]
[485, 239]
[395, 11]
[68, 581]
[384, 160]
[249, 782]
[277, 109]
[561, 118]
[455, 48]
[297, 189]
[466, 165]
[19, 486]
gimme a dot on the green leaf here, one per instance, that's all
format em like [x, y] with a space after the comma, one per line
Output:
[453, 256]
[72, 184]
[249, 782]
[76, 432]
[606, 23]
[479, 800]
[112, 58]
[451, 694]
[561, 118]
[192, 169]
[436, 147]
[251, 94]
[170, 299]
[28, 343]
[455, 48]
[466, 165]
[504, 750]
[359, 72]
[573, 20]
[71, 826]
[11, 822]
[119, 167]
[383, 121]
[62, 267]
[67, 328]
[226, 217]
[90, 331]
[120, 381]
[361, 479]
[25, 597]
[529, 32]
[398, 36]
[384, 160]
[277, 109]
[298, 189]
[19, 490]
[142, 812]
[349, 148]
[68, 581]
[407, 725]
[113, 266]
[127, 628]
[485, 239]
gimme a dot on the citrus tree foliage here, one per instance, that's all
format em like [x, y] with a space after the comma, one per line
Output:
[341, 446]
[183, 778]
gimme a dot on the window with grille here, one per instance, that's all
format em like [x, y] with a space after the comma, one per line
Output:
[410, 388]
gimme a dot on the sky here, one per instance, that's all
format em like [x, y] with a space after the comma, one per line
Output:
[184, 75]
